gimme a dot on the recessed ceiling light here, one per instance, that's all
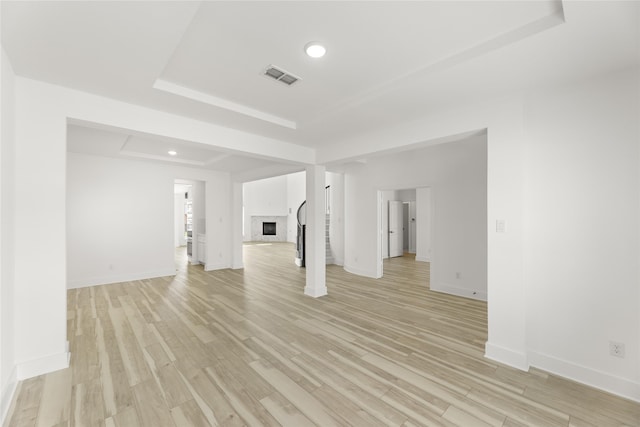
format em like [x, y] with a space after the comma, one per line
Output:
[315, 49]
[172, 152]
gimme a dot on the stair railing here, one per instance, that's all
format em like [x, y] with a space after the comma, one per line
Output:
[301, 236]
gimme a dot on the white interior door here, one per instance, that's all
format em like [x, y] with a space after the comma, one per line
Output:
[395, 228]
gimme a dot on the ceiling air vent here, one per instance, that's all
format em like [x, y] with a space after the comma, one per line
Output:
[280, 75]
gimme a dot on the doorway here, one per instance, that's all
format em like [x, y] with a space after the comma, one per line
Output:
[395, 228]
[189, 222]
[405, 224]
[409, 226]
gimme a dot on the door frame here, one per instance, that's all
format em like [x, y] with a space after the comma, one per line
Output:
[398, 232]
[382, 208]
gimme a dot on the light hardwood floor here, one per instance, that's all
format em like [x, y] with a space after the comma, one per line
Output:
[246, 347]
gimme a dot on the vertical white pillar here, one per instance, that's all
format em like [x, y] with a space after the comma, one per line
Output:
[507, 307]
[315, 238]
[236, 225]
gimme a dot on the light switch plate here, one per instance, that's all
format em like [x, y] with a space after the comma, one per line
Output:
[501, 226]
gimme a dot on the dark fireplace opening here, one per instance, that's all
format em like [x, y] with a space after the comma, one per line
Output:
[268, 228]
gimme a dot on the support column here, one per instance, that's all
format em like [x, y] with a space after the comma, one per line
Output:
[507, 303]
[315, 238]
[236, 225]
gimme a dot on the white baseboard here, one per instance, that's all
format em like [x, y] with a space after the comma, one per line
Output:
[8, 390]
[461, 292]
[313, 292]
[423, 259]
[506, 356]
[360, 272]
[215, 266]
[236, 266]
[43, 365]
[601, 380]
[119, 278]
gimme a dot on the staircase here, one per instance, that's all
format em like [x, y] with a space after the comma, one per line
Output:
[301, 216]
[329, 255]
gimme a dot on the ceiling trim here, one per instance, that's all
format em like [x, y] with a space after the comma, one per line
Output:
[198, 96]
[216, 159]
[163, 158]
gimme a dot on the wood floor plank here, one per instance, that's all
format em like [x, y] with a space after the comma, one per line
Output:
[202, 405]
[283, 411]
[417, 410]
[308, 382]
[208, 392]
[461, 418]
[520, 409]
[56, 399]
[247, 347]
[127, 418]
[87, 408]
[150, 405]
[242, 400]
[175, 391]
[300, 398]
[132, 356]
[368, 399]
[27, 402]
[188, 414]
[348, 411]
[235, 372]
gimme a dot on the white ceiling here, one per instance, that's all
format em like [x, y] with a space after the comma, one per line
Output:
[386, 63]
[118, 144]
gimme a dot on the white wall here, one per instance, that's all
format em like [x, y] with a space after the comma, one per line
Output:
[582, 225]
[7, 235]
[456, 172]
[40, 250]
[218, 187]
[336, 224]
[120, 218]
[198, 197]
[406, 195]
[424, 228]
[296, 194]
[119, 221]
[178, 213]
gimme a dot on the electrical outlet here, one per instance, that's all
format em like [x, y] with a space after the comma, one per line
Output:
[616, 349]
[458, 275]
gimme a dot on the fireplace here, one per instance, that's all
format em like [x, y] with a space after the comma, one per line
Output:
[269, 229]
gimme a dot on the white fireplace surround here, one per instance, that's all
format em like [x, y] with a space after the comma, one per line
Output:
[281, 228]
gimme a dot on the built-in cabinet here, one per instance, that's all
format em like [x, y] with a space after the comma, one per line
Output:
[188, 225]
[188, 217]
[202, 248]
